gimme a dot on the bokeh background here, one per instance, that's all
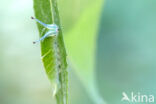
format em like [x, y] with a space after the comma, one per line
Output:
[125, 50]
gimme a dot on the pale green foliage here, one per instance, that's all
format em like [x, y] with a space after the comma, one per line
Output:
[81, 46]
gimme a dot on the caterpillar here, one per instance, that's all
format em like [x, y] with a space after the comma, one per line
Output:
[53, 30]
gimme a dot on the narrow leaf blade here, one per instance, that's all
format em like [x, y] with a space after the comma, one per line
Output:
[52, 49]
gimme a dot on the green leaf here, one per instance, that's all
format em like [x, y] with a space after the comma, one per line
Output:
[81, 46]
[71, 16]
[52, 49]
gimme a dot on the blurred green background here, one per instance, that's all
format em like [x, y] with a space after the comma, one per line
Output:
[125, 50]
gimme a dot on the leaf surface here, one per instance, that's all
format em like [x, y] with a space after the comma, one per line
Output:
[52, 49]
[81, 46]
